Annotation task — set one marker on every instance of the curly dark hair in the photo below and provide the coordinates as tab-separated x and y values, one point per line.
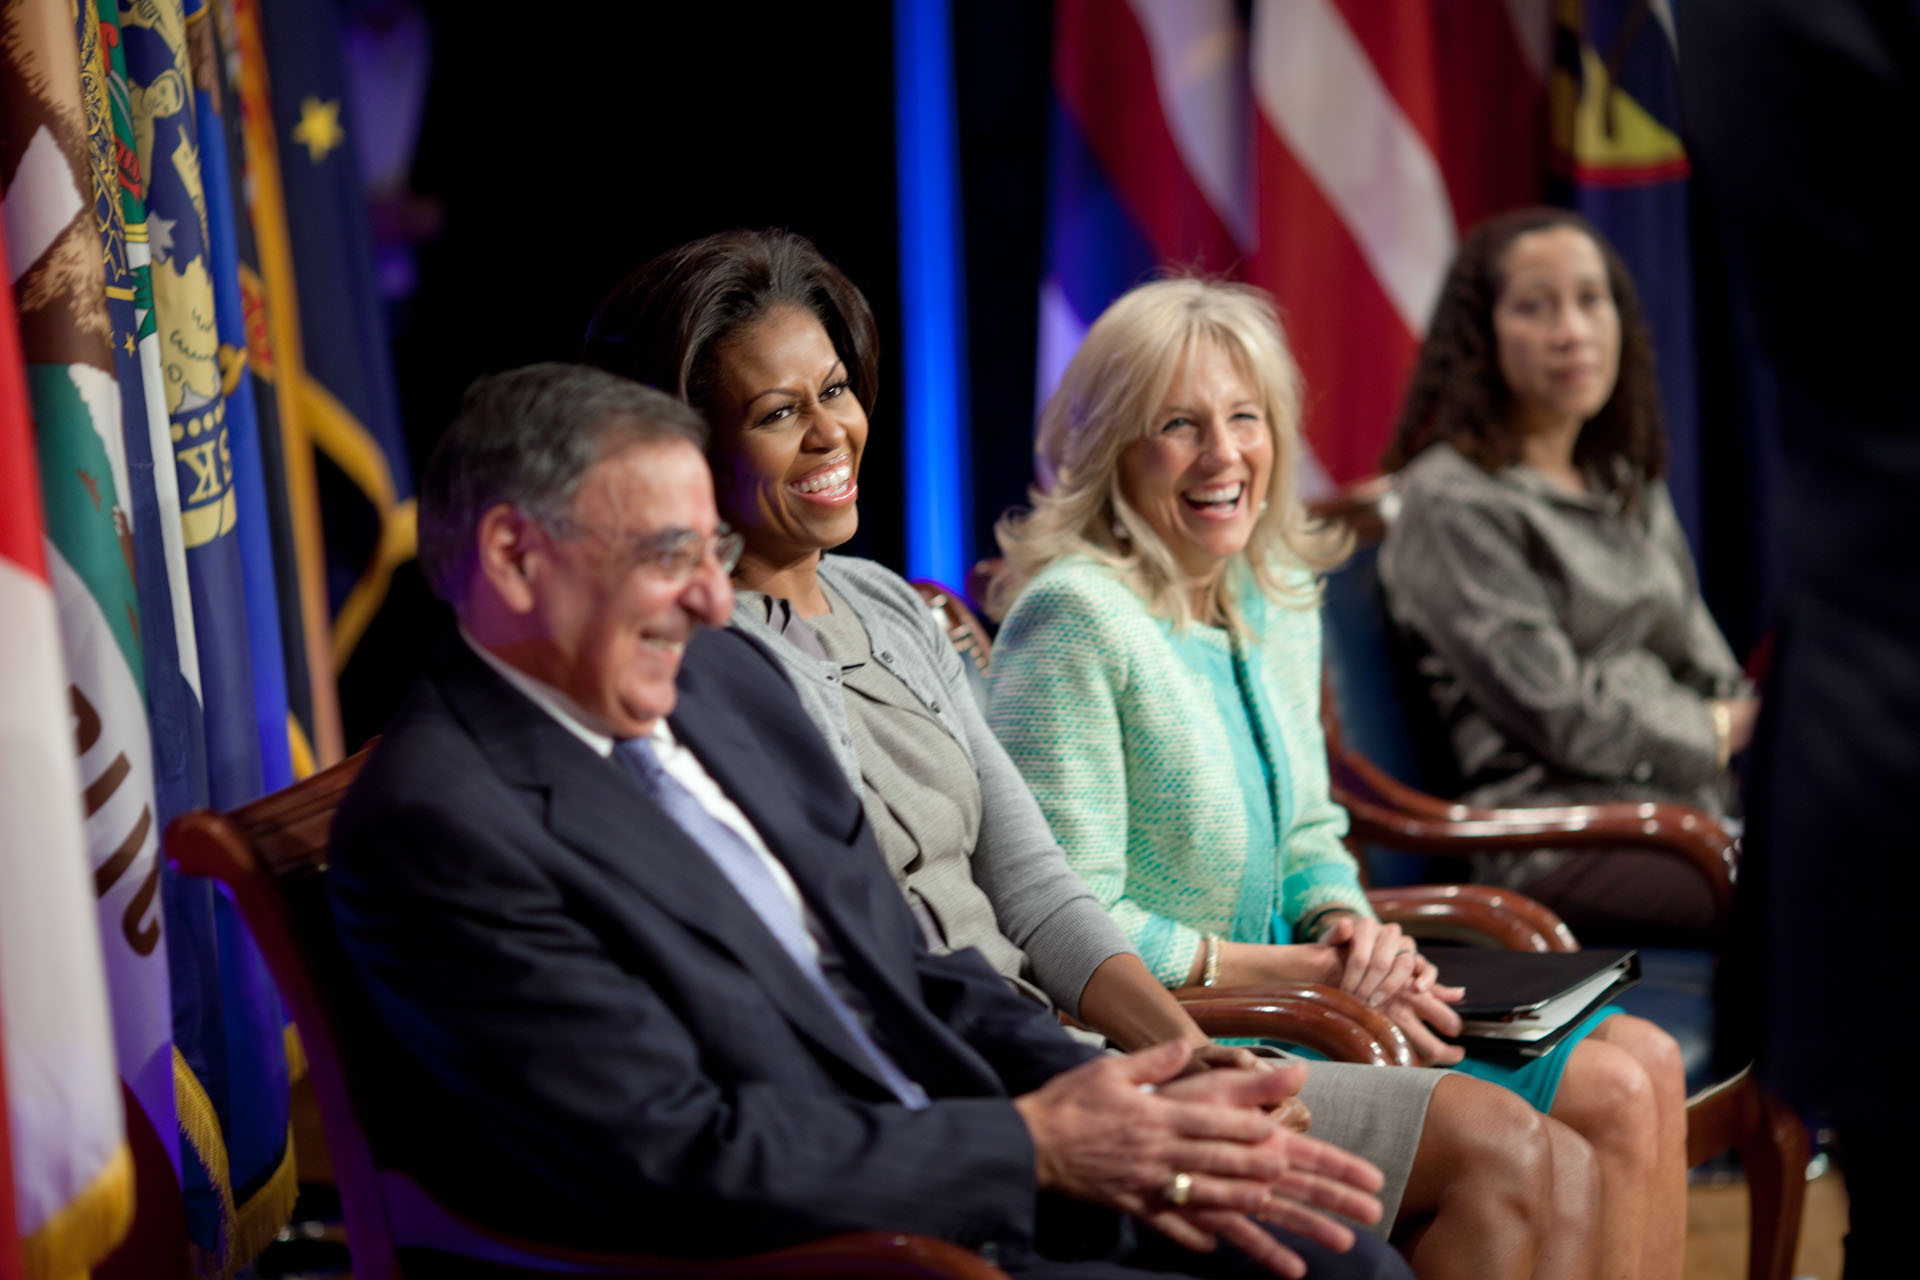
665	324
1457	393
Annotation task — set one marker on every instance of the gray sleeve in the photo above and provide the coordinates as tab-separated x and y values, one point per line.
1457	573
1042	906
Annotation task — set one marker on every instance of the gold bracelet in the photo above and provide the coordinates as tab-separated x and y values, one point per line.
1210	969
1722	732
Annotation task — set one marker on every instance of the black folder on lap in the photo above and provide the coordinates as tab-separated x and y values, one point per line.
1525	1002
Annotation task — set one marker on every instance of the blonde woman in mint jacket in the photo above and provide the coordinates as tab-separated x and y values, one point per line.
1157	682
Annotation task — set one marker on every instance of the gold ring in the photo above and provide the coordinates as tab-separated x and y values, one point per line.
1179	1190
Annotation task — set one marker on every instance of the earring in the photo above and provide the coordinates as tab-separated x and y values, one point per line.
1120	533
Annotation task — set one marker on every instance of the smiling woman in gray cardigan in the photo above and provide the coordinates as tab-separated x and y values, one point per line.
889	693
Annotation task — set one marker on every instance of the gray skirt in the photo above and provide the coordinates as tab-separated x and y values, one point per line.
1375	1112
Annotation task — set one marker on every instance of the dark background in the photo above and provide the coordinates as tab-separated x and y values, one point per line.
562	163
559	158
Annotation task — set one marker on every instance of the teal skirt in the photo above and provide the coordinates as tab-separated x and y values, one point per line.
1535	1079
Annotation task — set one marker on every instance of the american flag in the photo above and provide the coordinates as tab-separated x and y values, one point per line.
1329	151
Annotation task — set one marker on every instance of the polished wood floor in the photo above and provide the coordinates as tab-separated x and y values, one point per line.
1717	1231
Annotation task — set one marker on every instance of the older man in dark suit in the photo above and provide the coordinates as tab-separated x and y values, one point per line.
643	977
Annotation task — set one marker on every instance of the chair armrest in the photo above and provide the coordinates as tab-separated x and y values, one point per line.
1476	914
1675	826
1324	1019
1460	830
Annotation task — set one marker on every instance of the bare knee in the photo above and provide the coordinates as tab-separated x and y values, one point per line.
1495	1146
1607	1096
1657	1053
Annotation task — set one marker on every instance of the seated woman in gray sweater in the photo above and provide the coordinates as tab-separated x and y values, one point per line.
1541	579
778	349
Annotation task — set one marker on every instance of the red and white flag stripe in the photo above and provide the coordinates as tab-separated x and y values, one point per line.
1334	150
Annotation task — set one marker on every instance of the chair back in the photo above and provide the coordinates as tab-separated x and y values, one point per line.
1380	752
1366	692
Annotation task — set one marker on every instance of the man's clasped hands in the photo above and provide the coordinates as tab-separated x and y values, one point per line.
1200	1147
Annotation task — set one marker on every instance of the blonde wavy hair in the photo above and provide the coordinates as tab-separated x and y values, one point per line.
1106	400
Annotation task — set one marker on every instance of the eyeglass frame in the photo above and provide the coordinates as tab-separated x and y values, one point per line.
673	554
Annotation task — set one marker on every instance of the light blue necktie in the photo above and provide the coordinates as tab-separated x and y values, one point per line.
754	881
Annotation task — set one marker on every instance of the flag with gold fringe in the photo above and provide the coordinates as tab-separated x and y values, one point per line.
136	960
232	1096
69	659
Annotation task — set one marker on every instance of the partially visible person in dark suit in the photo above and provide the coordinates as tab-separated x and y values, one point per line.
640	976
1801	119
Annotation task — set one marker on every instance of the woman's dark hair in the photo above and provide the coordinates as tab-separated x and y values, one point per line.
665	324
1458	394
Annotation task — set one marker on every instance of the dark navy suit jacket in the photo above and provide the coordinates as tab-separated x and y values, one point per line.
586	1036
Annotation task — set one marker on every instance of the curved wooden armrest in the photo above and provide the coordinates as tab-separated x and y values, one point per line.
1473	913
1669	828
1676	826
1324	1019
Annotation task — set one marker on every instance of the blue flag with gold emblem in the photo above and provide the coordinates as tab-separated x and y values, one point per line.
239	1180
136	952
155	37
265	646
1619	161
347	398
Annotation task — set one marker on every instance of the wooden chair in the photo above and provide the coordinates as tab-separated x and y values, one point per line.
271	855
1377	760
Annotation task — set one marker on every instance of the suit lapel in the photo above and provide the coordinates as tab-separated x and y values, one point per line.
596	808
824	867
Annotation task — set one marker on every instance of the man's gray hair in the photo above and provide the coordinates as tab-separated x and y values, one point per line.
528	437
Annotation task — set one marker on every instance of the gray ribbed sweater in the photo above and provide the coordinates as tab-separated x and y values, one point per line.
1018	884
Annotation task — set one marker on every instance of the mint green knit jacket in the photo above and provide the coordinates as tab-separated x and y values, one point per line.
1123	743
